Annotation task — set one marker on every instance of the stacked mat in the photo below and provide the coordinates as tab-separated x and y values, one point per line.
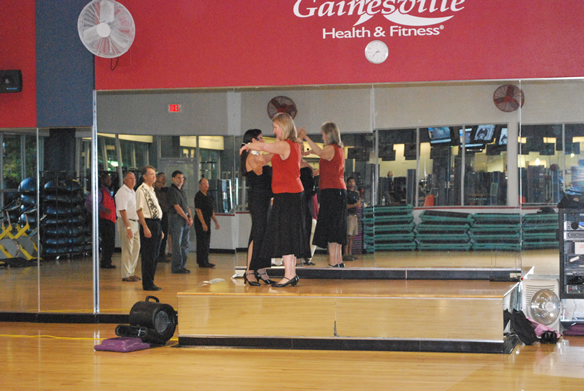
540	231
389	228
496	231
444	231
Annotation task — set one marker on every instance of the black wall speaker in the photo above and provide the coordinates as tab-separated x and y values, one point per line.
10	81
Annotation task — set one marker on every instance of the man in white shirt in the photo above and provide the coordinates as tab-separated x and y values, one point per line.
149	216
128	227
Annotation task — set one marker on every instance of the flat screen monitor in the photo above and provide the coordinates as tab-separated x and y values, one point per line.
439	151
410	151
468	141
483	134
494	149
359	154
502	138
573	148
387	153
441	135
534	144
549	149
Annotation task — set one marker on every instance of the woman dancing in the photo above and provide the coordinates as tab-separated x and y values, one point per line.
331	230
255	167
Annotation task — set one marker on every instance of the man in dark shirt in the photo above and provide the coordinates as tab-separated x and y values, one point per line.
160	189
180	221
353	203
205	212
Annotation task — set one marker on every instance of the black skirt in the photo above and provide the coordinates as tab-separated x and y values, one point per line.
331	226
286	231
259	206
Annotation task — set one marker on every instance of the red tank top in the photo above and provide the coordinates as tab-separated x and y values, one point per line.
286	173
332	174
108	202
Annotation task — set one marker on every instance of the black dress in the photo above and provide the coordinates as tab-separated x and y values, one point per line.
260	195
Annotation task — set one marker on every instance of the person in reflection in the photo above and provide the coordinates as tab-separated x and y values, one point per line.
285	235
254	166
107	222
128	227
205	210
307	179
161	190
353	203
180	222
149	216
331	230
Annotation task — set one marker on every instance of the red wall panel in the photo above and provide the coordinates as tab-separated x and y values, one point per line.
18	51
210	43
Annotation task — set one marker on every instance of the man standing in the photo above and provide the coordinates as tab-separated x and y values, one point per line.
149	215
180	221
161	190
107	222
204	209
128	227
353	203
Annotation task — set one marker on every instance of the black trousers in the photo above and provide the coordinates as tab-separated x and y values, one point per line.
107	235
149	249
203	243
164	223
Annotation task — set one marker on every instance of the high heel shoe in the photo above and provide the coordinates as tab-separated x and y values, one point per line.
292	282
266	281
251	283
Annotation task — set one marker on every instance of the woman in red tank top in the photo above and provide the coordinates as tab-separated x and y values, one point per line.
331	227
285	234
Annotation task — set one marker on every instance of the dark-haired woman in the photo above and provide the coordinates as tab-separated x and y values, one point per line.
255	168
285	236
331	230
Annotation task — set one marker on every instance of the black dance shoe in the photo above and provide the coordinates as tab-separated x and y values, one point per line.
291	282
341	265
251	283
266	280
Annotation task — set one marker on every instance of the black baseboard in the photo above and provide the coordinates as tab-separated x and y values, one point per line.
353	273
505	346
47	317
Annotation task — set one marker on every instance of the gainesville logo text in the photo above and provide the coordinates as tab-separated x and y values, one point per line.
413	13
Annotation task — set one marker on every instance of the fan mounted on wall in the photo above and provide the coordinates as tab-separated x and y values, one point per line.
106	28
508	98
281	104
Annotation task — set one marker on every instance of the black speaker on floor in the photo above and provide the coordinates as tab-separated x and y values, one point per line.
10	81
151	321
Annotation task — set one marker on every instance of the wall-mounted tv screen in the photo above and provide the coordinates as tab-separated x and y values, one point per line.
573	148
483	134
410	151
387	153
441	135
468	141
548	149
494	149
502	137
534	144
522	149
359	154
440	151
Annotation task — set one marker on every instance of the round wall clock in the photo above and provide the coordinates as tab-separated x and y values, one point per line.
376	52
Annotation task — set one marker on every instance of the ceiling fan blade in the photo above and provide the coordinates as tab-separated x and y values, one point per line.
106	11
90	35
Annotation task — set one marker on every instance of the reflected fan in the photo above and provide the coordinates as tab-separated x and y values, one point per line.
541	302
106	28
508	98
281	104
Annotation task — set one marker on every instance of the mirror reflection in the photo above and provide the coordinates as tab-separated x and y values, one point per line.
438	187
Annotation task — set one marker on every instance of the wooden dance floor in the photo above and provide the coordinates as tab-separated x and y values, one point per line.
353	314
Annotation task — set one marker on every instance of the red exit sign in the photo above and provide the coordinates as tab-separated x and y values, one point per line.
174	108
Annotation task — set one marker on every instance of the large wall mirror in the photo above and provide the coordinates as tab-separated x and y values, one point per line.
470	180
